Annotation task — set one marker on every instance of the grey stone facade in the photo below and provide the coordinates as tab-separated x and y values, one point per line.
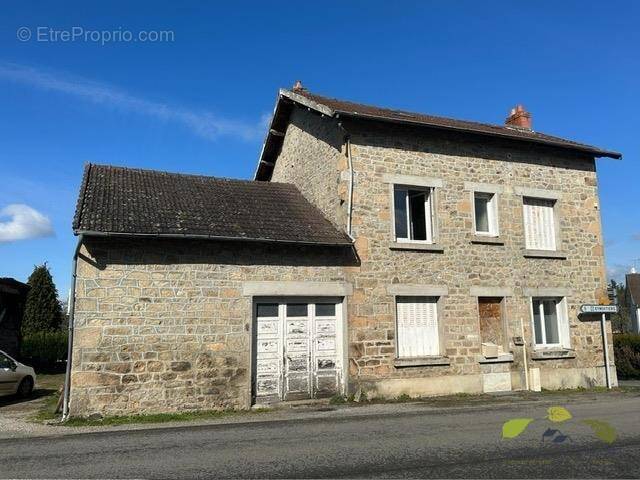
166	325
456	162
163	325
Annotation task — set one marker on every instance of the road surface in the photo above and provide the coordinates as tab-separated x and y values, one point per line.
407	443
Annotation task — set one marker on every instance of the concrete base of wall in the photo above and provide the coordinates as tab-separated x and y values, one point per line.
560	378
423	387
550	379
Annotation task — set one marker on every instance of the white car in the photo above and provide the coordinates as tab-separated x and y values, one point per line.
15	378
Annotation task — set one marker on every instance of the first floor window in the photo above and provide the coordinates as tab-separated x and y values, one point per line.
550	322
486	218
413	214
417	327
539	223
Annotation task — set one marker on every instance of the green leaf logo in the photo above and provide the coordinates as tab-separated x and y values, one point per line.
603	430
558	414
515	427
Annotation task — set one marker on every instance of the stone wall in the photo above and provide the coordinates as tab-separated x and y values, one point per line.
311	159
380	149
162	325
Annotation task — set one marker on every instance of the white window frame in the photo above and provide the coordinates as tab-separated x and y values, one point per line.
438	313
554	223
492	214
561	318
428	211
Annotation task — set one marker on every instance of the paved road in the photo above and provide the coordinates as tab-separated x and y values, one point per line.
408	444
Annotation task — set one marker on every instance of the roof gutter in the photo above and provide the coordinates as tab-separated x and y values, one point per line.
185	236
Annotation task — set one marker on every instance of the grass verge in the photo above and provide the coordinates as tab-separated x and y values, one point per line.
158	417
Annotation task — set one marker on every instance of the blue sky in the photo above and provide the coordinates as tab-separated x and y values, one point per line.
198	104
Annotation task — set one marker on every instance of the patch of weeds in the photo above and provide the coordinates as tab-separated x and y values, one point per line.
403	398
338	399
47	409
158	417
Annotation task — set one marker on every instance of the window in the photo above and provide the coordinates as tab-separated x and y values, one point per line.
539	224
297	309
550	322
417	327
486	213
5	362
413	214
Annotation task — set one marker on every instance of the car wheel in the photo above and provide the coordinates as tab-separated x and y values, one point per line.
26	387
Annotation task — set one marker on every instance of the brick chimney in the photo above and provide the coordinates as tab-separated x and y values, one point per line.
519	117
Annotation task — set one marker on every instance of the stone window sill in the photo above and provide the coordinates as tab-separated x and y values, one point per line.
560	255
552	354
504	358
486	239
421	362
423	247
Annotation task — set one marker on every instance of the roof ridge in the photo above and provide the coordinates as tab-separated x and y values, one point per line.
317	96
180	174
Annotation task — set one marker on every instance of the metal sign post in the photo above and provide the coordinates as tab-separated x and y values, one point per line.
606	349
602	309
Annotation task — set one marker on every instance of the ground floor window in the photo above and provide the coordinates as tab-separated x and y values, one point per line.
417	327
550	322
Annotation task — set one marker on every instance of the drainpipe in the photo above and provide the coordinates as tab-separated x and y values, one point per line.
347	140
72	305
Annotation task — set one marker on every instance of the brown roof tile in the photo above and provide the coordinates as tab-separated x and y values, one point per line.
335	107
633	287
129	201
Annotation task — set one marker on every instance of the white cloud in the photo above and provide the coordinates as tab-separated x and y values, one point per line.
23	223
617	272
202	123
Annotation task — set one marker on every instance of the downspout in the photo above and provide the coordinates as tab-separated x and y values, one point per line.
72	305
347	140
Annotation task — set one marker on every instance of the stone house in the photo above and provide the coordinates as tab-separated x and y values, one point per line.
376	250
632	299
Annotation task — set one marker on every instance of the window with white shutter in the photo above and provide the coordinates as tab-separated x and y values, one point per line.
417	329
539	223
550	322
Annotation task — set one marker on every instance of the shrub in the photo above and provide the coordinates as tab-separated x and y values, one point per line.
626	348
45	351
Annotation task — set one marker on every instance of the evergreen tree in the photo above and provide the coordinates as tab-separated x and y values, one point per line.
621	321
42	310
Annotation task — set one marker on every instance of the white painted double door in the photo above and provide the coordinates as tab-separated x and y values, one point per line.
298	348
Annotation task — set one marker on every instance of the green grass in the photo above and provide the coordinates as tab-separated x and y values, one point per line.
158	417
48	387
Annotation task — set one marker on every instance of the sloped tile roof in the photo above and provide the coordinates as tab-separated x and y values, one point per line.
358	109
633	287
334	108
127	201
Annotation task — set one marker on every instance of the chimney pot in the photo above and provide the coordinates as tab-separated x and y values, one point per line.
519	117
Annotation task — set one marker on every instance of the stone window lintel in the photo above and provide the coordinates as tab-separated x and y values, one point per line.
421	362
422	247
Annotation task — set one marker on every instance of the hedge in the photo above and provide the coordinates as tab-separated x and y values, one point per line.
626	348
45	351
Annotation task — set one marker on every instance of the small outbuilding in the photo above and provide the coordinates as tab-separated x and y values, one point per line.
13	295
